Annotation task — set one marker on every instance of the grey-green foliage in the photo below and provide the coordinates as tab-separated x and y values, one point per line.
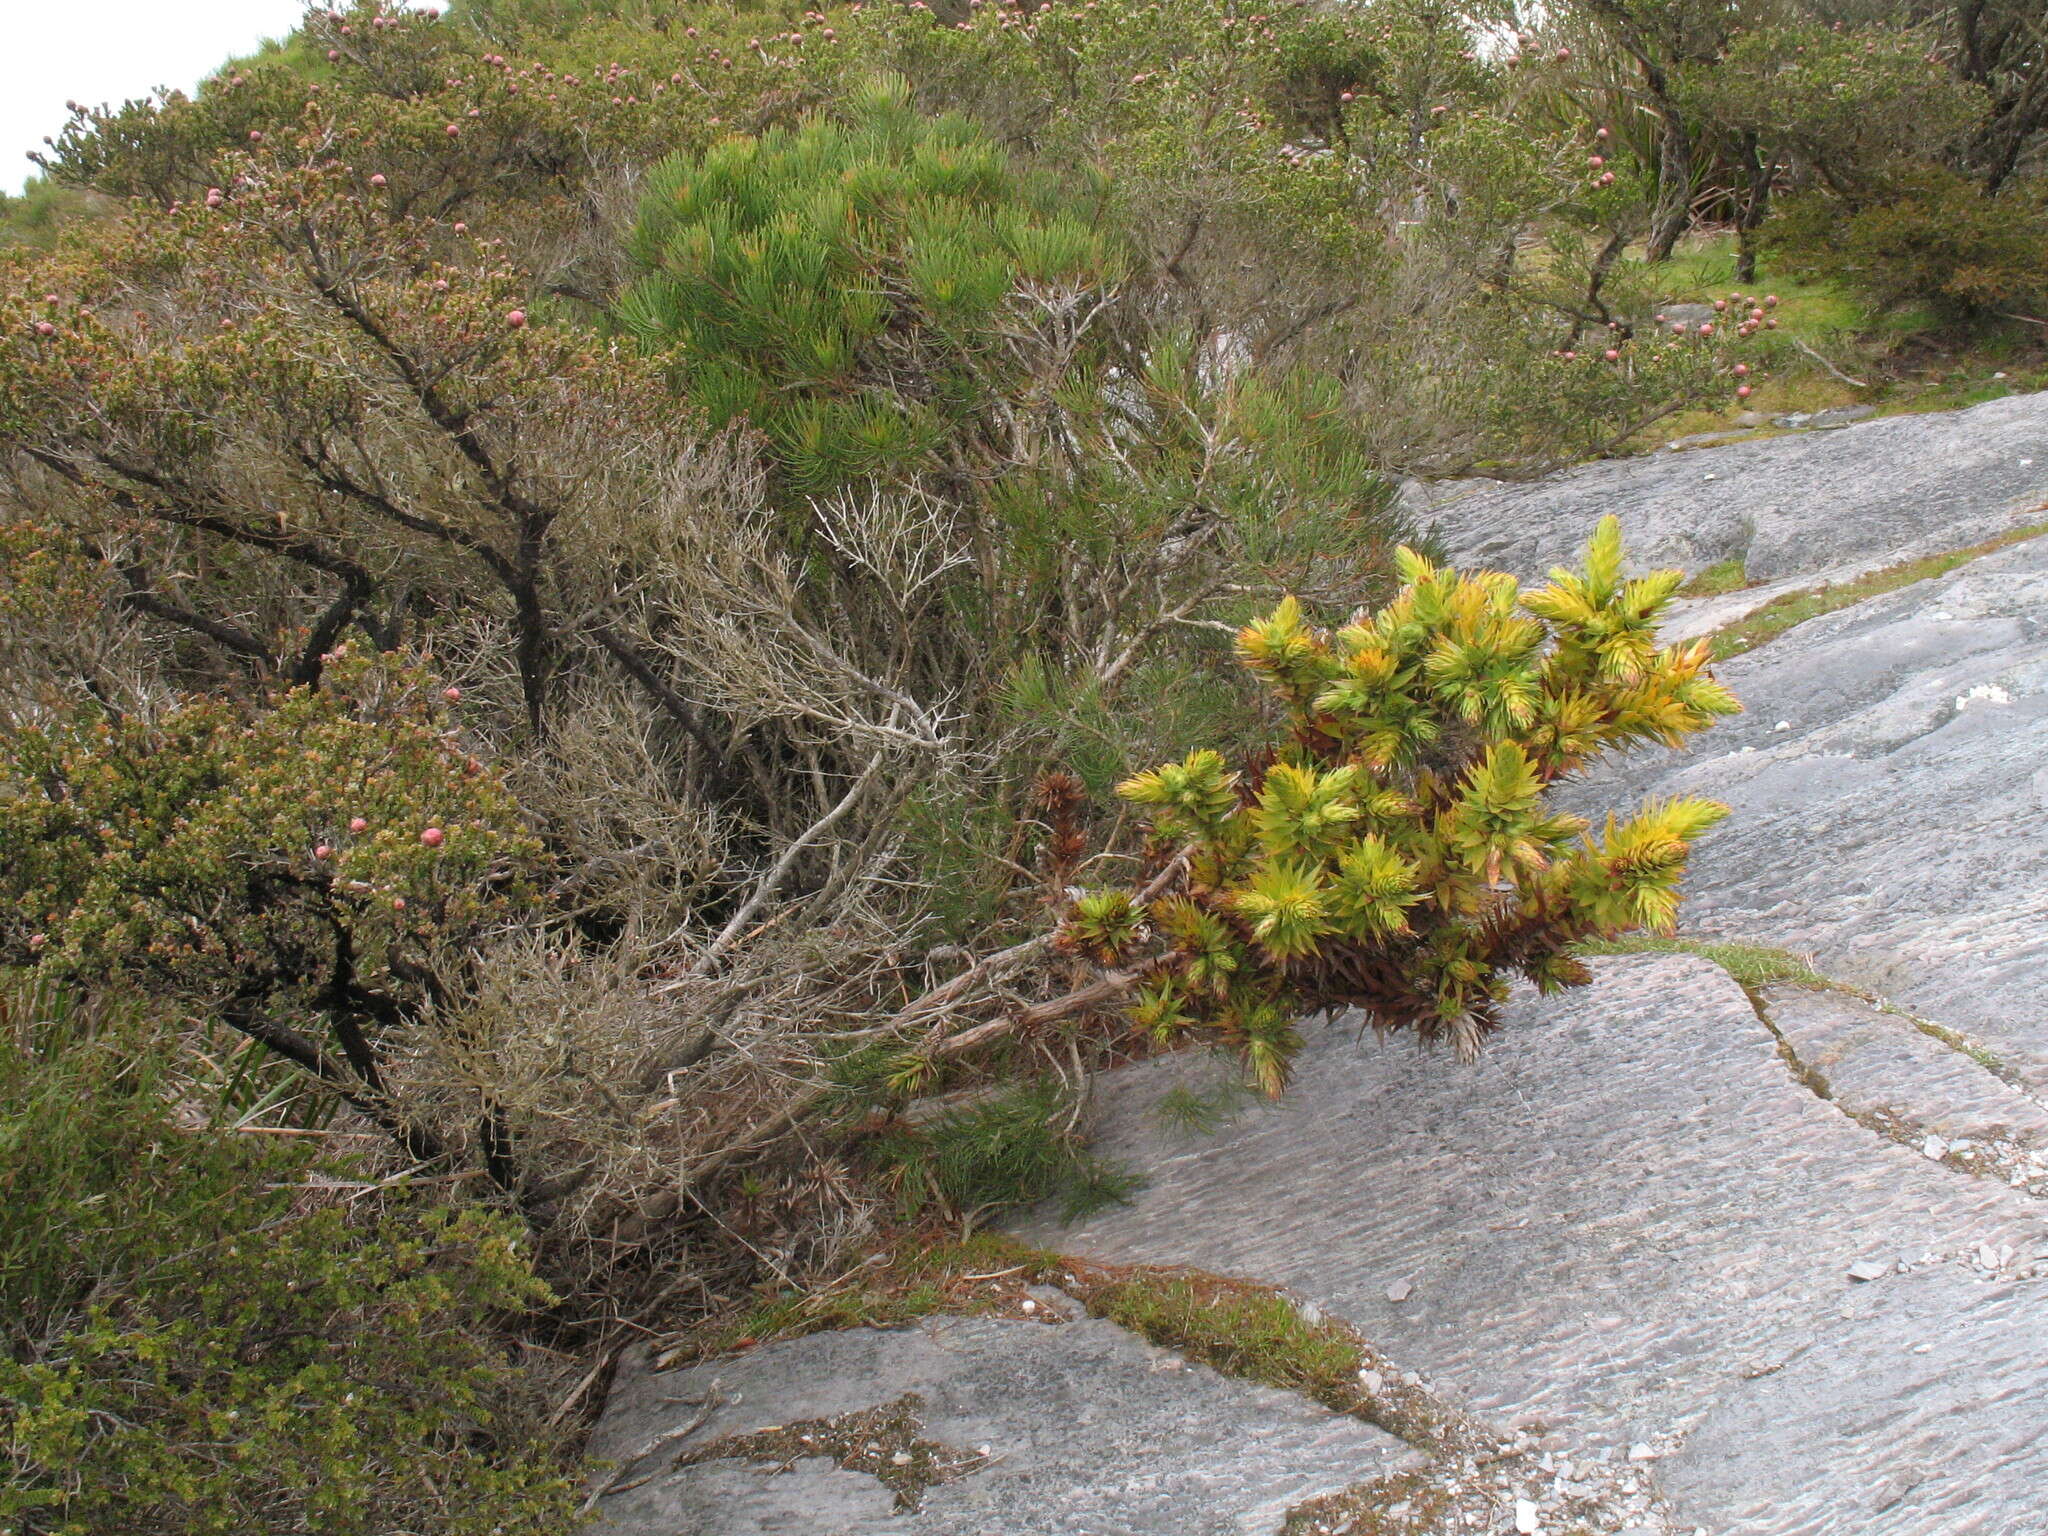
194	1343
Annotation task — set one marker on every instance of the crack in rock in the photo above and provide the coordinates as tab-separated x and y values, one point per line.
883	1441
1887	1049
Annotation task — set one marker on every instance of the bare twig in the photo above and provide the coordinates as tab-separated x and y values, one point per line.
771	882
1831	368
590	1380
616	1484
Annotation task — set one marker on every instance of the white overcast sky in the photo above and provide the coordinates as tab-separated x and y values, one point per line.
53	51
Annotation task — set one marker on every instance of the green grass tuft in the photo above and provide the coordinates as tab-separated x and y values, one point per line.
1724	576
1199	1112
1014	1150
1749	965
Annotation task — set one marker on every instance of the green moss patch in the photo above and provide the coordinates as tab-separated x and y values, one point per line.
1795	608
913	1274
1723	576
1750	965
1258	1334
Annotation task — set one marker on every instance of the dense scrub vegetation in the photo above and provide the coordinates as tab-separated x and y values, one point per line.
578	579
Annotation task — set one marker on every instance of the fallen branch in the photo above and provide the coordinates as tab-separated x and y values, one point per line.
940	999
1831	368
1109	987
771	882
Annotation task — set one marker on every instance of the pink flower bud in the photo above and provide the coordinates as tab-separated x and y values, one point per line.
452	695
357	824
516	319
433	837
377	180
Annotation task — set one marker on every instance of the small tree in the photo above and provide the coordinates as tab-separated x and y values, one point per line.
1394	850
312	873
875	297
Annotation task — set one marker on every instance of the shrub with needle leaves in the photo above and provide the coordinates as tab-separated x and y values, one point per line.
1394	851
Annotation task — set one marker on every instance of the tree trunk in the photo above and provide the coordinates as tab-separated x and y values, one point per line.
1674	187
1596	279
1756	203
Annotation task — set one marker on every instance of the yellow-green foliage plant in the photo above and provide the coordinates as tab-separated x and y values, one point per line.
1394	850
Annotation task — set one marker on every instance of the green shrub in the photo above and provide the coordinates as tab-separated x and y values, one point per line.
844	287
309	872
1932	238
1011	1150
190	1342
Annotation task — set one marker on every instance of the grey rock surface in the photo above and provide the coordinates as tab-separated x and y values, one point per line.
1815	506
1089	1432
1631	1219
1691	316
1890	788
1820	421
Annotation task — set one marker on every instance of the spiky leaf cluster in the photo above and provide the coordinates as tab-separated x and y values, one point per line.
1395	850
